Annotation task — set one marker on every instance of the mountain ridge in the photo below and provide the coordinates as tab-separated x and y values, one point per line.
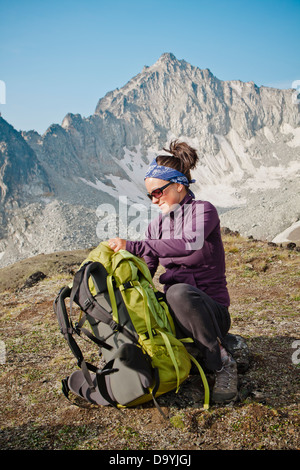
247	137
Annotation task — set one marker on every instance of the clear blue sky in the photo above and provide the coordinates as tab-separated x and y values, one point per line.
62	56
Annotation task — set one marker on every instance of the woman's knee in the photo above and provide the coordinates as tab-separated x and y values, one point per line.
177	293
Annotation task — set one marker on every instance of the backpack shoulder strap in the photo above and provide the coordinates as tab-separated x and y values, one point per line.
82	295
68	331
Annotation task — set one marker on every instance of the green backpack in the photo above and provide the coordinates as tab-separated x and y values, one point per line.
131	323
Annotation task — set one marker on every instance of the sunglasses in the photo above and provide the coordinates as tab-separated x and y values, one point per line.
157	193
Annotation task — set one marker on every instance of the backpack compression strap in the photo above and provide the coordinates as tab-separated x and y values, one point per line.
82	295
202	374
68	330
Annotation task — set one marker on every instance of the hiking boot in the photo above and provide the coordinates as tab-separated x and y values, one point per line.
225	387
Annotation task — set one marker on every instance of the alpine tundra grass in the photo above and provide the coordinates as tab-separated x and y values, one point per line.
264	287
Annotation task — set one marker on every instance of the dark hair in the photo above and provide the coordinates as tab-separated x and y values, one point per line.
184	158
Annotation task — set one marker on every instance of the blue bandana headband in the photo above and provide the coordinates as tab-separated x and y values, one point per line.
166	173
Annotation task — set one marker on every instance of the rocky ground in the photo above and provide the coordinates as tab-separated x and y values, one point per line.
265	293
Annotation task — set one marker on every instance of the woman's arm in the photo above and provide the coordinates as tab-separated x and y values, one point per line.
194	225
152	249
151	259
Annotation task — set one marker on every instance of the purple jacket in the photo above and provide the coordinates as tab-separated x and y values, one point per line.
188	244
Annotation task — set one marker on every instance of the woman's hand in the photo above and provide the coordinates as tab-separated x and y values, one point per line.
117	244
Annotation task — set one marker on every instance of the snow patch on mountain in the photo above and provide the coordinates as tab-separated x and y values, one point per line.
291	234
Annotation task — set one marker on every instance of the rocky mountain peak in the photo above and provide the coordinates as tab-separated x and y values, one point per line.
21	175
168	61
247	137
72	121
167	57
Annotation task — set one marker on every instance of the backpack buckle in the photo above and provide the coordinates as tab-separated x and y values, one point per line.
146	335
87	303
77	328
127	285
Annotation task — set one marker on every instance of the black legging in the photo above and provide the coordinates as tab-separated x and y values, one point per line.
198	316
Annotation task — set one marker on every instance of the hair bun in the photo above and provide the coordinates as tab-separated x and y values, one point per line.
186	157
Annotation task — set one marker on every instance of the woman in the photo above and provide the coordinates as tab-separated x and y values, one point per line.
186	240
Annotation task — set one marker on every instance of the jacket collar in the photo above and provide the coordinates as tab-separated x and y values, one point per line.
187	199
